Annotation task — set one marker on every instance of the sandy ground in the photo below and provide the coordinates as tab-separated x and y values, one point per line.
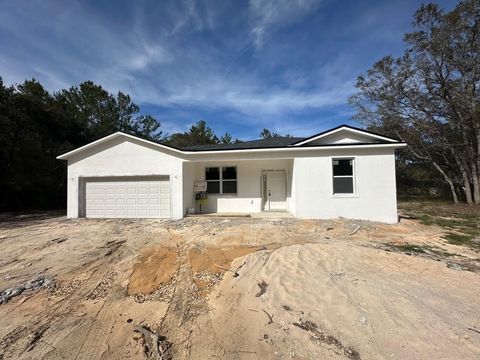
236	288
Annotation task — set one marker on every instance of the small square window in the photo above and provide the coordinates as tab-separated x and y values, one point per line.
229	173
343	167
213	187
229	187
343	185
212	173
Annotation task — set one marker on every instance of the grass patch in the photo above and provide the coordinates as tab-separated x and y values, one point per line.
409	248
458	239
420	249
462	222
449	223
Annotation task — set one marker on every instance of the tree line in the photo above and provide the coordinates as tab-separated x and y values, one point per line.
429	97
36	126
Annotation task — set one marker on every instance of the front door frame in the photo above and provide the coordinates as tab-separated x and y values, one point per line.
264	189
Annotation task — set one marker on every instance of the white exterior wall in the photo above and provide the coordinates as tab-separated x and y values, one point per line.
122	157
249	192
188	180
375	196
309	178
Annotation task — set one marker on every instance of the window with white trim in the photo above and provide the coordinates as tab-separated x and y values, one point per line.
343	176
221	180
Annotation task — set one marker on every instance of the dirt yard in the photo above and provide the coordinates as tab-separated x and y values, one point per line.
240	288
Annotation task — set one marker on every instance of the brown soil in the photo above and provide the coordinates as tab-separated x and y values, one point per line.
397	291
208	264
154	267
216	260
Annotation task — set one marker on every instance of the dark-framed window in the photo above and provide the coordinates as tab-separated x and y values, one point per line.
343	176
221	180
212	176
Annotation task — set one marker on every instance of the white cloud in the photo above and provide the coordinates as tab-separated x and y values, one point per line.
145	56
163	67
268	16
169	127
244	94
189	17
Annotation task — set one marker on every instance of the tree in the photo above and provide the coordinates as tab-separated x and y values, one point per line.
429	97
147	127
178	140
36	126
199	134
267	134
29	136
226	139
98	113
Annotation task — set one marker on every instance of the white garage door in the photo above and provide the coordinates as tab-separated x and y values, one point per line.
132	198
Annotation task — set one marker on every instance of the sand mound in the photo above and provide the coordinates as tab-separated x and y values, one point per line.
209	263
336	300
213	259
154	267
157	265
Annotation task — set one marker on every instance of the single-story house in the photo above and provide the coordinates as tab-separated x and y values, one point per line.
343	172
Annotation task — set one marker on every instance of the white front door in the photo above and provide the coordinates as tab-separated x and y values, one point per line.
275	190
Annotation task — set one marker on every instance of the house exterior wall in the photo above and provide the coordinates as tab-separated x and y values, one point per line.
121	157
309	178
188	180
374	177
249	192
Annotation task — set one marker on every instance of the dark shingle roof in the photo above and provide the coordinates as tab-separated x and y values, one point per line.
253	144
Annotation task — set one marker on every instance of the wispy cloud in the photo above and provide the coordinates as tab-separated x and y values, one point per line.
189	17
244	93
284	64
147	55
268	16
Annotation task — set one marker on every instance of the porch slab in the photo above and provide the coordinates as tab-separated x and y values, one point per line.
260	215
273	215
216	215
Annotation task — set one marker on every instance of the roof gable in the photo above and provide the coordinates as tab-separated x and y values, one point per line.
114	136
345	134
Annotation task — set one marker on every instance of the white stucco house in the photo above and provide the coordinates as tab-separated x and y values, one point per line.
343	172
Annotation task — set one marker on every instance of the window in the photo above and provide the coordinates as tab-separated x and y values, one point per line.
229	180
221	180
343	176
212	175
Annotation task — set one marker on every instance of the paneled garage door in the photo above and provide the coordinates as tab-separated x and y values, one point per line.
127	198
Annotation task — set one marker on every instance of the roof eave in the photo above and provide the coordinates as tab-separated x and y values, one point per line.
308	148
73	152
79	150
68	154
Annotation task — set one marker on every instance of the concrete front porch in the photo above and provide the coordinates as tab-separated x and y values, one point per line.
257	215
252	196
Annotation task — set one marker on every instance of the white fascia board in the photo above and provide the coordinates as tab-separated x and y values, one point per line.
365	133
112	136
205	152
309	148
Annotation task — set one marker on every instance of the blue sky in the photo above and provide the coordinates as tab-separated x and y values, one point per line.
288	65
